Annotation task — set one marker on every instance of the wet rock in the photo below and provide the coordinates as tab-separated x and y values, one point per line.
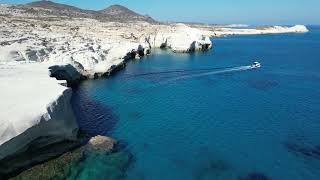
66	72
120	146
72	162
55	169
101	144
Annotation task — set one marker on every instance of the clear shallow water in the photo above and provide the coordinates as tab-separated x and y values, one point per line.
183	117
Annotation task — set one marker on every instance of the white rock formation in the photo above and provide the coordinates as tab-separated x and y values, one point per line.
179	38
259	30
299	29
34	105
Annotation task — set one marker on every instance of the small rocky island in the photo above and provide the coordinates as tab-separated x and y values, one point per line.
47	48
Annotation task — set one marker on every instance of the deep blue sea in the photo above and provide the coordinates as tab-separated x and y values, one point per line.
191	117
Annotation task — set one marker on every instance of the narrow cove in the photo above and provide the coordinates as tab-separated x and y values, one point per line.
228	125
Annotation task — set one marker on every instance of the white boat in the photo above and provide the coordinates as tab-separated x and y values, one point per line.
256	65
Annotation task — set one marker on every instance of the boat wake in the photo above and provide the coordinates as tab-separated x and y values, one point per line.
222	71
182	74
176	71
242	68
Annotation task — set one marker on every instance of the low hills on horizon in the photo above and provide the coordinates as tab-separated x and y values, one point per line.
117	13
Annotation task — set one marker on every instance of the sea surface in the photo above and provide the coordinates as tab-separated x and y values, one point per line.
207	115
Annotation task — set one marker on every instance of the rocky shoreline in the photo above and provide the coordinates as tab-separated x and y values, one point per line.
42	58
34	65
70	164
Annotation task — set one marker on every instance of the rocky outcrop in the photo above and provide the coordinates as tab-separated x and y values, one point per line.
67	72
299	29
83	160
216	31
30	134
101	144
179	38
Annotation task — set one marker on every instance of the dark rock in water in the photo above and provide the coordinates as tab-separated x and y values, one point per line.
101	144
85	159
54	169
214	169
120	146
36	152
98	166
302	149
114	69
254	176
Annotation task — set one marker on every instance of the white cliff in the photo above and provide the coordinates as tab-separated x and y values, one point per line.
35	105
179	38
32	104
226	31
32	49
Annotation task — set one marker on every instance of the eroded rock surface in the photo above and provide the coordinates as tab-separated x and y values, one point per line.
93	160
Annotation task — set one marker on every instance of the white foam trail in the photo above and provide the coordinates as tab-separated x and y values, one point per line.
241	68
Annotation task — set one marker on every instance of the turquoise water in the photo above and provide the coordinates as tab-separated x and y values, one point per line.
187	116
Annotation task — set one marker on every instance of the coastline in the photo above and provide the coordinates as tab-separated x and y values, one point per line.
87	61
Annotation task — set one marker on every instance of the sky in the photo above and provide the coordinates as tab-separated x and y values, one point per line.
252	12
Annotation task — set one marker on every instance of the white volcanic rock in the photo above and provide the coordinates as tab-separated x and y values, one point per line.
258	30
71	48
179	38
32	104
299	29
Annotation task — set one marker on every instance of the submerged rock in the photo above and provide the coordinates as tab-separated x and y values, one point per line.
73	163
101	166
101	144
55	169
254	176
303	149
217	169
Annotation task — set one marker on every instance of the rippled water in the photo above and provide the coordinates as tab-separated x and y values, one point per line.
190	117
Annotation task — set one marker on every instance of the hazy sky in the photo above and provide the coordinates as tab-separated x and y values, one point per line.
214	11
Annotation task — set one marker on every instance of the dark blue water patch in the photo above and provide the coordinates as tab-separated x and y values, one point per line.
303	149
209	81
262	83
121	145
255	176
94	118
156	78
213	169
135	90
312	77
135	115
160	76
